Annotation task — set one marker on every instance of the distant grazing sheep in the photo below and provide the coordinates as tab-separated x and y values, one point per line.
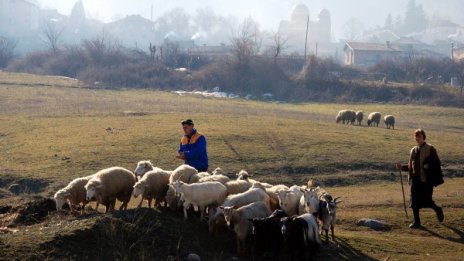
359	117
182	173
153	185
389	121
110	184
346	117
73	194
374	119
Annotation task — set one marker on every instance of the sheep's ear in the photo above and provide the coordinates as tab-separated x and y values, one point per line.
221	207
233	206
99	186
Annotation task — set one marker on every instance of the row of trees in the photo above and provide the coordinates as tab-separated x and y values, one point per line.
102	60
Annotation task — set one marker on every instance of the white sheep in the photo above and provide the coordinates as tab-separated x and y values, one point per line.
110	184
244	175
374	119
218	171
171	198
239	220
346	117
200	194
273	198
237	186
359	117
143	167
153	185
73	194
289	200
217	177
389	121
182	173
197	177
216	216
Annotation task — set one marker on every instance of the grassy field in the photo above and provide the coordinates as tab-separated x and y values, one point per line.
53	129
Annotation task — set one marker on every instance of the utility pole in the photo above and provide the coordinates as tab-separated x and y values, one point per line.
316	48
151	12
306	38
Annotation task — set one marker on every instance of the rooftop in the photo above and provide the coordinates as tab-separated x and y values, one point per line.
360	46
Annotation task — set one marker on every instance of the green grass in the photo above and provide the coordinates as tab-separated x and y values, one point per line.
40	122
52	129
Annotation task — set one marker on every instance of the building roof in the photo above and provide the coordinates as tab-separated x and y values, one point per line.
359	46
408	40
443	23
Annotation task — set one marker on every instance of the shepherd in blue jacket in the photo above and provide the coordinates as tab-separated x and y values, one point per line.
192	147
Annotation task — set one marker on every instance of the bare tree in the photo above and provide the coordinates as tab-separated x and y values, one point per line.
353	28
246	42
52	36
152	49
7	47
279	44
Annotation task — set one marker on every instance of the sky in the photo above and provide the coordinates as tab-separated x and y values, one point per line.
268	13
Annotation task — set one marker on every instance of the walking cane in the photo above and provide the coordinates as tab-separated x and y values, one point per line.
400	166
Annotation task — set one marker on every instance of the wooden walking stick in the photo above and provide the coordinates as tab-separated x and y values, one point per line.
400	167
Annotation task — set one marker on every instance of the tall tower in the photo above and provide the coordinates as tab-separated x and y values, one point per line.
324	26
78	13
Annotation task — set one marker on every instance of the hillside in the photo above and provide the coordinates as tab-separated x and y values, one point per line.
54	130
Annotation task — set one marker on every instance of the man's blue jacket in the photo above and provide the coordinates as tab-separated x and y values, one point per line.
194	149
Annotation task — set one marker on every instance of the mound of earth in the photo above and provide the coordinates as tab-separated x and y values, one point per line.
143	234
31	213
18	186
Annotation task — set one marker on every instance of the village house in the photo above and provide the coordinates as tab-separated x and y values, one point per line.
368	54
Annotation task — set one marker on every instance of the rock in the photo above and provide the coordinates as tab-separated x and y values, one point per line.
374	224
193	257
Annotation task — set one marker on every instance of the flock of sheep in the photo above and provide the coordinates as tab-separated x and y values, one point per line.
350	117
273	215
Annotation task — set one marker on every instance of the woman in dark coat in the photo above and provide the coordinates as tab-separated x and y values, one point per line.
424	174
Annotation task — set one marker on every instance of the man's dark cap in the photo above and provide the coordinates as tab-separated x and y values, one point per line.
187	122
